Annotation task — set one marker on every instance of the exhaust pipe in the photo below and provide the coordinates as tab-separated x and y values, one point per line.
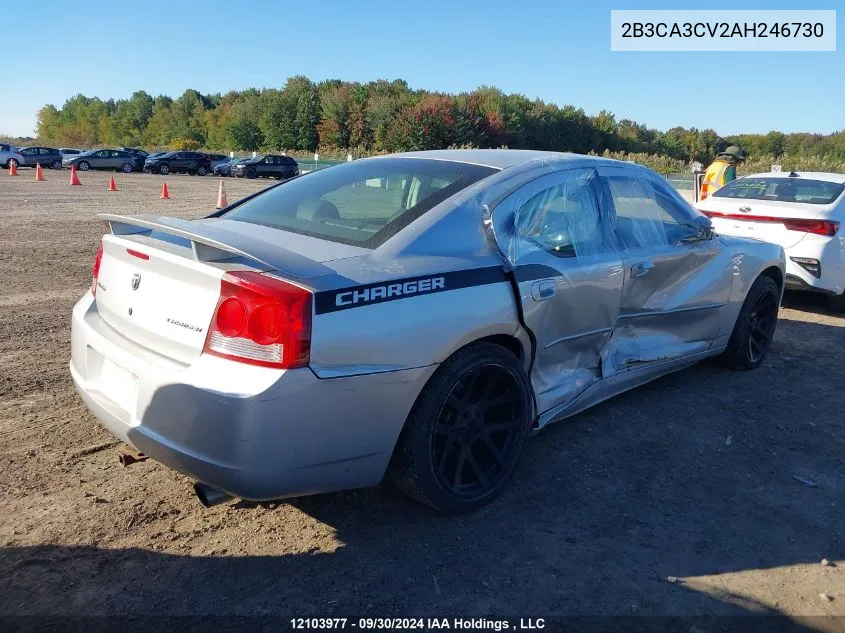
127	457
209	496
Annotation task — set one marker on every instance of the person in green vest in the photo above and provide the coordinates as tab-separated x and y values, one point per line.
722	170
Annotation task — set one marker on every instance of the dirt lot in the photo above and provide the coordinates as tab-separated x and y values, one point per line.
708	492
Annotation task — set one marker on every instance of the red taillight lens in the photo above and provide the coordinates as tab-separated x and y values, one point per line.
817	227
262	321
231	317
95	271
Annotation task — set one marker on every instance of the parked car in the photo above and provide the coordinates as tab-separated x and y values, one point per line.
9	155
217	159
420	314
135	151
104	159
281	167
68	152
802	212
179	162
225	169
46	156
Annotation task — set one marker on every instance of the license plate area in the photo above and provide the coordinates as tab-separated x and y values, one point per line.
119	385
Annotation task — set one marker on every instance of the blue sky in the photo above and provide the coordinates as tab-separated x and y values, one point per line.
558	51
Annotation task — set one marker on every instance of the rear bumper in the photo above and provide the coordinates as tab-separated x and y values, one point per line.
252	432
830	252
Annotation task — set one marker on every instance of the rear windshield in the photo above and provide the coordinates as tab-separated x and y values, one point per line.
800	190
362	203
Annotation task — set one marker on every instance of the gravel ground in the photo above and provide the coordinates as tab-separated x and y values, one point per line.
708	492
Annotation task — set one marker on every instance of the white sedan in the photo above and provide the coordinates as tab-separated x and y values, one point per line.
801	212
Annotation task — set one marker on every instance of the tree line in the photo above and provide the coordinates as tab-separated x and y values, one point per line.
388	116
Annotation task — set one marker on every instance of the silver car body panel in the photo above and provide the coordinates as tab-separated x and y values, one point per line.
385	318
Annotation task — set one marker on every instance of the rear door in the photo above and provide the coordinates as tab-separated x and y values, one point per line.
193	160
99	160
178	162
47	156
267	167
570	278
30	156
116	159
674	289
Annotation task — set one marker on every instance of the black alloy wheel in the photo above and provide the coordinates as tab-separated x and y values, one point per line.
761	328
477	436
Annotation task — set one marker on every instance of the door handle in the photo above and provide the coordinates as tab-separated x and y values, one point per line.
745	209
542	290
641	269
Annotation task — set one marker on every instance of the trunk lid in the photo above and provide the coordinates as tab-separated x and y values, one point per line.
158	298
159	278
761	219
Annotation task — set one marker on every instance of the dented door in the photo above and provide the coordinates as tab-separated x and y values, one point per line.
675	287
570	279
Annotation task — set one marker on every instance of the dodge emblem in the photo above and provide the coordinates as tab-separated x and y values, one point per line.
136	281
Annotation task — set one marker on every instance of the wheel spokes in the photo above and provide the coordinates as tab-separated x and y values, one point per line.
459	469
474	439
491	446
476	469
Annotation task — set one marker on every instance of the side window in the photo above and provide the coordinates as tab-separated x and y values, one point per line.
44	150
563	219
645	216
103	153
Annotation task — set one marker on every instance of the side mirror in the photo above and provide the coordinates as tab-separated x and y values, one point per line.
703	229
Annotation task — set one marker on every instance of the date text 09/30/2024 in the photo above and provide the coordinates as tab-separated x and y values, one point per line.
410	624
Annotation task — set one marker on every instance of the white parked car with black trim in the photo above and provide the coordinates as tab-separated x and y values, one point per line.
802	212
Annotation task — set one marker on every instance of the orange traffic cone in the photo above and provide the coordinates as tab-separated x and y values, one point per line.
74	179
112	184
222	201
165	195
39	173
13	168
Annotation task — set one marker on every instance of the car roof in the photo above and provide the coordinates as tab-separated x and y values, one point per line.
806	175
497	158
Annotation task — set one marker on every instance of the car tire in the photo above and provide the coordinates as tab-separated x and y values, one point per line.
201	170
127	168
449	437
164	169
83	165
250	173
755	326
13	161
57	164
836	303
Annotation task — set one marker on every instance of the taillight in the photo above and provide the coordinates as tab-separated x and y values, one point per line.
95	271
817	227
261	320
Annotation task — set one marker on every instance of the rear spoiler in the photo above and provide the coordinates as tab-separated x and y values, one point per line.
211	242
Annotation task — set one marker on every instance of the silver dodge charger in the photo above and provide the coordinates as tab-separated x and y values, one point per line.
418	314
